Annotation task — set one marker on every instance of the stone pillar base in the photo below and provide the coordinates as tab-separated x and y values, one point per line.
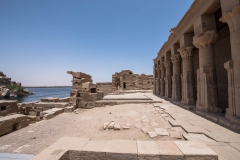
188	101
230	117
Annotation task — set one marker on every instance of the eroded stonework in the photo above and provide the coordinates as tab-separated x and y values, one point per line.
127	80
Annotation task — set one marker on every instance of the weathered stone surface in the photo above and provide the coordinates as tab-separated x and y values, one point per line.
126	80
161	132
69	109
117	126
111	125
13	122
152	134
105	125
8	107
122	150
147	150
169	151
144	130
196	150
94	150
126	128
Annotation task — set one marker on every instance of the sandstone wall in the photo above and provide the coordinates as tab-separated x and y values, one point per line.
105	87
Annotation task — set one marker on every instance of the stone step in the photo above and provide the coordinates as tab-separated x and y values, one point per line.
48	114
70	148
13	122
101	103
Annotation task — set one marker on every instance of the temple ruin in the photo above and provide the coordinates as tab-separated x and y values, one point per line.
199	65
127	80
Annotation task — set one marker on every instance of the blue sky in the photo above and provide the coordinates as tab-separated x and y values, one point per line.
40	40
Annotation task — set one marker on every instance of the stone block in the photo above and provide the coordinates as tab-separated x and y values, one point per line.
147	150
13	122
69	109
122	150
94	150
8	107
169	151
161	132
152	134
196	150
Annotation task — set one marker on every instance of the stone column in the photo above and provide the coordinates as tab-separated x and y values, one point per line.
157	82
168	79
176	79
187	76
162	82
207	99
232	18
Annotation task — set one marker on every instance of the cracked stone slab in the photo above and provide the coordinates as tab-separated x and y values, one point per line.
175	134
196	150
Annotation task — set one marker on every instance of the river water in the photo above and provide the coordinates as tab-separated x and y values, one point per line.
59	92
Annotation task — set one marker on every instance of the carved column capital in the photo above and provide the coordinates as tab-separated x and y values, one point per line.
176	58
162	67
186	52
205	39
167	64
232	19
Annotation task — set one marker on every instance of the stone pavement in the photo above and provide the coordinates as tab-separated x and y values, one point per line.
72	148
223	141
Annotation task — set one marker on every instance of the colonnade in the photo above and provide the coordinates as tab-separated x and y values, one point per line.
179	78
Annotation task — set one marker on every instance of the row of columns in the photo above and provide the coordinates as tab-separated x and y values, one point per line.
177	83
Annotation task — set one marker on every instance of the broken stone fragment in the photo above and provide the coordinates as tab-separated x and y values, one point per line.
161	132
111	125
128	124
117	126
144	130
105	125
152	134
126	127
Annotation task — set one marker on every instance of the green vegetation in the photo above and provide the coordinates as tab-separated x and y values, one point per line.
17	89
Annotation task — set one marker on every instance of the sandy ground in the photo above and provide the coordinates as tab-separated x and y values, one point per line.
88	124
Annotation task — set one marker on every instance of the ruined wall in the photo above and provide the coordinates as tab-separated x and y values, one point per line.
105	87
8	107
81	90
126	80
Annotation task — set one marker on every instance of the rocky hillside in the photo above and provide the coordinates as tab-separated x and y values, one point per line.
10	88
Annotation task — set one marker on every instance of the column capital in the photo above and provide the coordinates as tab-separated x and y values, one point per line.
205	39
186	52
176	58
162	67
232	18
167	64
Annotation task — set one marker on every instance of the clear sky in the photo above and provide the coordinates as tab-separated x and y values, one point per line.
40	40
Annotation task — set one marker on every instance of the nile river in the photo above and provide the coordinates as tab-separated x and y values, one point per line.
59	92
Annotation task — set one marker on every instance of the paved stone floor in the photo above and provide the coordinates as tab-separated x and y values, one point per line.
165	120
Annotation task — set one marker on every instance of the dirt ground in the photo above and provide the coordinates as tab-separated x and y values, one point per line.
89	124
